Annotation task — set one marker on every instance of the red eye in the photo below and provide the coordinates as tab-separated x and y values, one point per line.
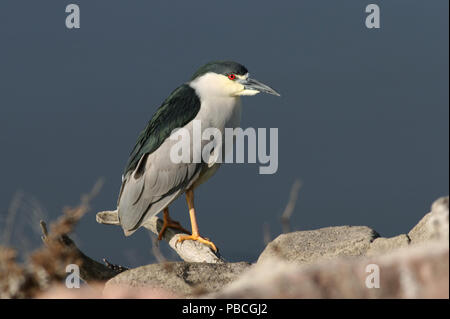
232	76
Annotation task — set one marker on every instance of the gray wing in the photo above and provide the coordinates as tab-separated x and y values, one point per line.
152	186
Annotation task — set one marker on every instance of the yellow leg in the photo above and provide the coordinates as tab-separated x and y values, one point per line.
195	234
169	223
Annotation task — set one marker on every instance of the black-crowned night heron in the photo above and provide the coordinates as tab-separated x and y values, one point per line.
151	180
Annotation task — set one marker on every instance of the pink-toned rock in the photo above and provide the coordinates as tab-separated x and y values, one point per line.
96	292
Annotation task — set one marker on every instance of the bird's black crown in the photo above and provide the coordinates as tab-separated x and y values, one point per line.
221	67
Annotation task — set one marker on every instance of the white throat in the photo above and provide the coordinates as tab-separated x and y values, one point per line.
218	108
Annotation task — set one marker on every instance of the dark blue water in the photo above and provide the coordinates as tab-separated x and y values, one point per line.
363	117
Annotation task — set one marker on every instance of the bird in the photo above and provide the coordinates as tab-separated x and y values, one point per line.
151	181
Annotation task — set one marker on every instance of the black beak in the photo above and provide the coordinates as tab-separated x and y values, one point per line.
252	84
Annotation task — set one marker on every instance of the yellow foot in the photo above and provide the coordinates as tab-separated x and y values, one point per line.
199	239
169	223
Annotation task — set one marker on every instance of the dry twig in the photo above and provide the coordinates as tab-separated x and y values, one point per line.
287	214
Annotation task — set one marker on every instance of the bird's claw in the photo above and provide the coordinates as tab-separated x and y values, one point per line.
169	223
202	240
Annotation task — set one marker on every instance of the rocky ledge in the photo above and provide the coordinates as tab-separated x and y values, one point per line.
331	262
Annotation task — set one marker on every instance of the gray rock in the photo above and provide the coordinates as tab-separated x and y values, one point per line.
421	232
181	278
434	225
314	245
439	221
383	245
419	271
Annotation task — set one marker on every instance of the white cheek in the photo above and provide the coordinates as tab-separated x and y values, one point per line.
234	88
212	84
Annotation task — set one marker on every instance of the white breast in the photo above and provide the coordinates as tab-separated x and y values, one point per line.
218	110
220	113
